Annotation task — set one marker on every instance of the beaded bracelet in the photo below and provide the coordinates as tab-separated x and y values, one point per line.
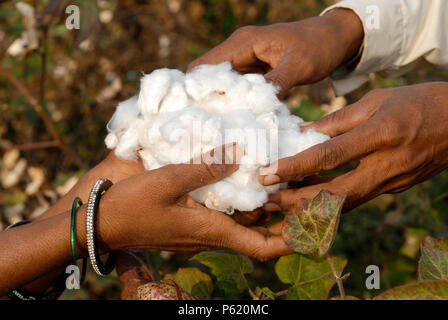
92	207
76	201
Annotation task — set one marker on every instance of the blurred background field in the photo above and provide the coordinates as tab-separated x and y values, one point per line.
79	77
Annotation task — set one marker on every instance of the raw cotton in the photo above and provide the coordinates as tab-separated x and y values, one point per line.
178	116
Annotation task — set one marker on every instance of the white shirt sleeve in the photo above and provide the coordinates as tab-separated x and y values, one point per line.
398	33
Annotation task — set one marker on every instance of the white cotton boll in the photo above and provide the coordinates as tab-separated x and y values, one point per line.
149	162
127	148
111	141
176	98
205	81
129	141
178	117
262	97
269	119
291	122
310	138
124	115
211	135
154	87
222	194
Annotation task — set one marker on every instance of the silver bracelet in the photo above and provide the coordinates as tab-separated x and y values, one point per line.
92	207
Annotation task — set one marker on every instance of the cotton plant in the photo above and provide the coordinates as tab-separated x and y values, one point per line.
177	117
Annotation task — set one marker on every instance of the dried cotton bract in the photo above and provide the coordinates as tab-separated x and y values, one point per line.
179	116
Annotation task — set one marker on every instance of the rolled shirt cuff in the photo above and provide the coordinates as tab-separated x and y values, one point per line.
384	35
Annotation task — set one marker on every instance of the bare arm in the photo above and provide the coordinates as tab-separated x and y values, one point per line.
157	220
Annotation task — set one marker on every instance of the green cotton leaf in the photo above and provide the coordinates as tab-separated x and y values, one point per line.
425	290
162	290
228	268
309	277
313	230
193	281
433	263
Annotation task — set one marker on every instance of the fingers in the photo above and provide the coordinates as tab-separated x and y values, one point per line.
325	156
209	168
257	217
253	242
282	76
306	182
343	120
310	180
215	229
237	49
351	116
247	218
264	218
276	228
361	184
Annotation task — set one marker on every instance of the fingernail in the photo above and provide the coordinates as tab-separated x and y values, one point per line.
305	124
270	206
271	179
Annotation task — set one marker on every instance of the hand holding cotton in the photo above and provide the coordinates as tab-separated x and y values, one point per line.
179	116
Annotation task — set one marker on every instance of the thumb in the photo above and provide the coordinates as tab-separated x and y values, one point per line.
343	120
206	169
283	76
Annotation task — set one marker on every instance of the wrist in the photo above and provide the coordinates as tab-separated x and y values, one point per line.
107	227
347	28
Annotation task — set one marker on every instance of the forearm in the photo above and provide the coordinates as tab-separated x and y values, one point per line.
32	251
45	280
111	168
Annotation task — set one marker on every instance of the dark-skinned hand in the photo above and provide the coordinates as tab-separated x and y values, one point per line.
399	136
293	53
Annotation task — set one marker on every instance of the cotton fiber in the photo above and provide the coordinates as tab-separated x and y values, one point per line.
177	117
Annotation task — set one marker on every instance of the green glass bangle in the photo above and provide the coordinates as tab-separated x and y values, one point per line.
76	201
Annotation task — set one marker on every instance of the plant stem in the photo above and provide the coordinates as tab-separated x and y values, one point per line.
337	277
73	157
281	293
43	74
252	294
441	197
35	145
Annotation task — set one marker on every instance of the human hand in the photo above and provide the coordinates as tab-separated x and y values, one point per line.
117	169
153	210
399	135
292	53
